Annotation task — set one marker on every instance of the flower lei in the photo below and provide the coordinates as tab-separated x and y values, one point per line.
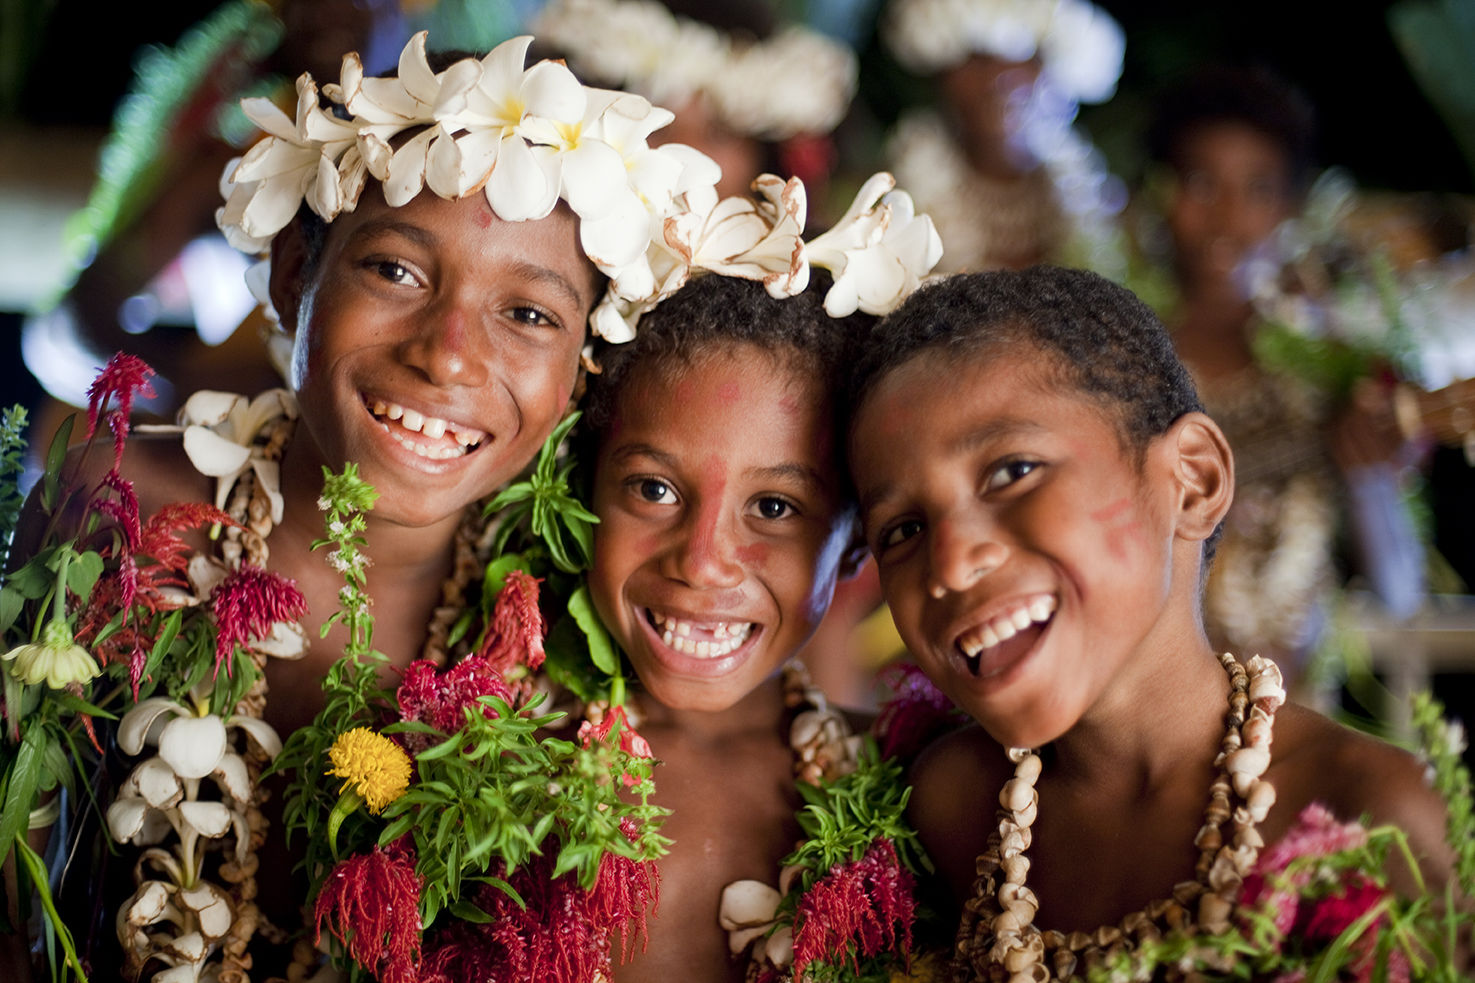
844	907
468	837
797	81
121	618
649	216
1079	45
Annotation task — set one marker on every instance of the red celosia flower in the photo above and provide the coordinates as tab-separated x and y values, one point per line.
122	379
563	935
916	715
630	740
515	636
859	908
371	904
123	509
442	699
169	553
246	604
623	892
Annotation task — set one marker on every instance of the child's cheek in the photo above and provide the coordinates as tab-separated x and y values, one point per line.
754	554
1120	530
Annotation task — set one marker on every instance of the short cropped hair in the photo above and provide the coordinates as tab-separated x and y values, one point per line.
708	319
1254	97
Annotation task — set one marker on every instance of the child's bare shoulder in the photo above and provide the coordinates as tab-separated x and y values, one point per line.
955	795
162	472
1354	775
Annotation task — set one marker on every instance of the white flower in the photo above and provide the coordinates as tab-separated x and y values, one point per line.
56	660
1080	47
220	432
878	252
755	240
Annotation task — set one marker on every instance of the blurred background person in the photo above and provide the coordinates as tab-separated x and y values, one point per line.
1009	178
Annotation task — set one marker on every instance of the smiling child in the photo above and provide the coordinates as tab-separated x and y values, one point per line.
436	274
725	520
1041	491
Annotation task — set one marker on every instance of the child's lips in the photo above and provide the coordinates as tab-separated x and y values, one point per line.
996	641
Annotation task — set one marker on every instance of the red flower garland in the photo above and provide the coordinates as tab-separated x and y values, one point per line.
859	908
371	903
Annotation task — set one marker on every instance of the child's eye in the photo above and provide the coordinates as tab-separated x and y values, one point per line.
1007	473
392	271
897	533
532	316
654	490
771	507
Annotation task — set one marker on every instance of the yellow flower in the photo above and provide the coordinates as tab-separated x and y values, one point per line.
376	767
56	659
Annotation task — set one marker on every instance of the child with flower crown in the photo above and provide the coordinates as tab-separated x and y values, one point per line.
441	242
725	521
1042	524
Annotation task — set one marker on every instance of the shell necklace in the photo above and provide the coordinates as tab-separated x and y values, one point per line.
997	938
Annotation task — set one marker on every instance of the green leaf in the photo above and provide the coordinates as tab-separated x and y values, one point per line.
497	571
11	604
601	648
468	912
55	455
21	784
82	574
348	803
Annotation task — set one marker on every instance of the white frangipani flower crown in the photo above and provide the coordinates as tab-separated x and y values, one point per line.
798	81
1079	45
649	217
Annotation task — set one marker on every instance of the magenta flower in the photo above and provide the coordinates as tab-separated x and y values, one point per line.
515	637
246	604
124	378
442	699
371	904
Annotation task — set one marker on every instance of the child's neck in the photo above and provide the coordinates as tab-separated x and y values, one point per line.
760	710
1149	728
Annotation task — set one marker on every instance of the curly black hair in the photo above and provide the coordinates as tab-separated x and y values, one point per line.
1099	339
1253	96
711	316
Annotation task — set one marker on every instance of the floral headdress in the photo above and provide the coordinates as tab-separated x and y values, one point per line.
797	81
1079	45
648	216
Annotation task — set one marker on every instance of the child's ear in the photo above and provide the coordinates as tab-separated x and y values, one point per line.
288	274
1204	468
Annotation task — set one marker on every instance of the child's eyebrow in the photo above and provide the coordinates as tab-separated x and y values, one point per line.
1009	426
792	471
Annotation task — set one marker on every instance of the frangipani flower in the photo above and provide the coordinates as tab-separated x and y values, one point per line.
755	240
191	741
878	252
219	433
56	660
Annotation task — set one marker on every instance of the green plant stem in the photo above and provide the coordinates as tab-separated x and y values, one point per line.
37	871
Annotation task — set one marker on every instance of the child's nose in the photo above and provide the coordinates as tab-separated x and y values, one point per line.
707	556
446	346
962	552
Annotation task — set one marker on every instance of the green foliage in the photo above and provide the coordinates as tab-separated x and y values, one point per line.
546	506
841	818
1443	744
12	463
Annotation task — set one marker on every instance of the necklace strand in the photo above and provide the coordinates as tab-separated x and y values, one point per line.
997	937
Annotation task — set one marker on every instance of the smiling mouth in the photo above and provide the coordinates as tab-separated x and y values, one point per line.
702	639
995	645
426	436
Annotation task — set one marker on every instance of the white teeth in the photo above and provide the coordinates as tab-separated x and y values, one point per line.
434	428
1006	626
725	636
413	419
433	452
395	411
464	438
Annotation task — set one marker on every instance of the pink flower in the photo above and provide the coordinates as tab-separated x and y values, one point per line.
516	633
123	378
246	604
371	904
123	509
918	713
1315	834
630	740
442	699
859	908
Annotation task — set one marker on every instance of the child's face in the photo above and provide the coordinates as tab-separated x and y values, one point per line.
438	345
1233	188
721	529
1023	554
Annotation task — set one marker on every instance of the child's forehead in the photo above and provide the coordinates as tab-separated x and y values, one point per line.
740	368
